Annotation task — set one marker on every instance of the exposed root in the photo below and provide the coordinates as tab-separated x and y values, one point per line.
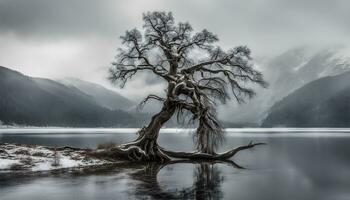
205	156
139	150
144	150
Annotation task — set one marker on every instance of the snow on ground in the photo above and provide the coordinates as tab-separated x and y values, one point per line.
39	158
5	163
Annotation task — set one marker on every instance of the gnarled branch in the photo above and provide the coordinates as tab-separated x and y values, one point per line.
151	96
199	155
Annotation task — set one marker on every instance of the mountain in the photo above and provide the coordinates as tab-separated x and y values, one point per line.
103	96
42	102
322	103
299	66
286	73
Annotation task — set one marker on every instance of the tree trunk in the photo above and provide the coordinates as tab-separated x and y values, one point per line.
145	147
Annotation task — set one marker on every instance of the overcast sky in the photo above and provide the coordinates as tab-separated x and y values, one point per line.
78	38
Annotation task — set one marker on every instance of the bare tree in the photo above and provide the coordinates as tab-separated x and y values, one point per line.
198	73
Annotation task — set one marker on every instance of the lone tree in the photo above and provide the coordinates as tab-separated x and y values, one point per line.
198	73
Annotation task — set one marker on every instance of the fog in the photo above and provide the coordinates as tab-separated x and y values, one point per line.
79	38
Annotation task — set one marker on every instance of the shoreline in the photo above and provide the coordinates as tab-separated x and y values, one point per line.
35	158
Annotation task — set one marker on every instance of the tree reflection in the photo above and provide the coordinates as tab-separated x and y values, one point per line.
207	181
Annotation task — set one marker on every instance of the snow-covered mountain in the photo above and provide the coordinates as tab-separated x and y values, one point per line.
301	65
324	102
286	73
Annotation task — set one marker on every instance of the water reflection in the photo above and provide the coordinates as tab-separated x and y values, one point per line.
207	183
207	180
307	166
125	181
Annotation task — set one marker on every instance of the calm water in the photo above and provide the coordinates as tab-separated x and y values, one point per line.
296	164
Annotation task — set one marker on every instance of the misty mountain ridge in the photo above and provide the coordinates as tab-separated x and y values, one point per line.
44	102
288	72
285	73
324	102
301	65
103	96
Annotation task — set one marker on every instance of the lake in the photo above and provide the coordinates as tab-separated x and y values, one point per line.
296	164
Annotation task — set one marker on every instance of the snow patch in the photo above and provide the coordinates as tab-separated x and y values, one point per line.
301	65
7	163
39	158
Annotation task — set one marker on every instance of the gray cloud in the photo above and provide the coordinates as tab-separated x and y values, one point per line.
59	18
253	21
